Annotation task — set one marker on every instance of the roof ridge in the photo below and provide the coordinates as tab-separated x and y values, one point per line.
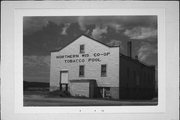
79	37
136	60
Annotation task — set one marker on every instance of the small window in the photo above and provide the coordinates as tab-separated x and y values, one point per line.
103	71
82	49
81	70
105	92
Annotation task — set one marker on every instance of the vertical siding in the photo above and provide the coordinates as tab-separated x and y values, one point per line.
130	88
54	73
114	91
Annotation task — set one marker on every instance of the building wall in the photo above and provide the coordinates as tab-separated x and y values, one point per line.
136	79
92	69
83	88
80	89
114	91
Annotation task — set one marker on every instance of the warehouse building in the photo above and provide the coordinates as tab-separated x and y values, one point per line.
89	68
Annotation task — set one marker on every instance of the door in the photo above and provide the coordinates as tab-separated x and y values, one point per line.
63	80
64	77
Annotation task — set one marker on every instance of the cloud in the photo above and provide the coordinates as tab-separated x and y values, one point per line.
116	43
32	24
146	50
64	30
141	33
116	26
34	61
81	22
98	31
36	68
125	21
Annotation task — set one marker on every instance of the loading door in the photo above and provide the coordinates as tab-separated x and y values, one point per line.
64	80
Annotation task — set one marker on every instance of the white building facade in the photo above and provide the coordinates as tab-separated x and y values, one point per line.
88	68
85	65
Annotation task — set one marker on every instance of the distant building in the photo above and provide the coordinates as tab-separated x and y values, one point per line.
86	67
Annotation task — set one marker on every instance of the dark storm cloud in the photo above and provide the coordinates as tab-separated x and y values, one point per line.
125	21
36	68
32	24
140	33
49	37
43	34
145	50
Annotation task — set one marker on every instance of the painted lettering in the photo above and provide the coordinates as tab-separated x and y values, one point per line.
74	61
94	60
85	55
101	54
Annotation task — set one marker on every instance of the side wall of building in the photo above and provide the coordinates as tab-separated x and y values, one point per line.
81	89
137	81
54	83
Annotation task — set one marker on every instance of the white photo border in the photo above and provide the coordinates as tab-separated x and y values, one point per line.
18	56
9	90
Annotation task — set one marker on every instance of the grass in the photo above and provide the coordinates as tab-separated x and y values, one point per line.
57	98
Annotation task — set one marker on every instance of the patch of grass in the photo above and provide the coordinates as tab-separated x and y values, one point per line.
35	92
58	93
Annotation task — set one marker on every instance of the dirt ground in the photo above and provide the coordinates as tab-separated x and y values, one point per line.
39	99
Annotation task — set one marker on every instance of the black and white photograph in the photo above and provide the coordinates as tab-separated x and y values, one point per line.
90	60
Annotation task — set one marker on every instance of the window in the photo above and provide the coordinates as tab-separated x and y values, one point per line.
105	92
103	71
82	49
81	70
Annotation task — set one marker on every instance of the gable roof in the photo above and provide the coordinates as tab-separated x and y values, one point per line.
122	55
79	37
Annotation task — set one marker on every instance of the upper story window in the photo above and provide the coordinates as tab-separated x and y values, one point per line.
82	49
81	71
103	70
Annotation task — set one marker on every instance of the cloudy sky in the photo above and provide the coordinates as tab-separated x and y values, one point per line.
43	34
